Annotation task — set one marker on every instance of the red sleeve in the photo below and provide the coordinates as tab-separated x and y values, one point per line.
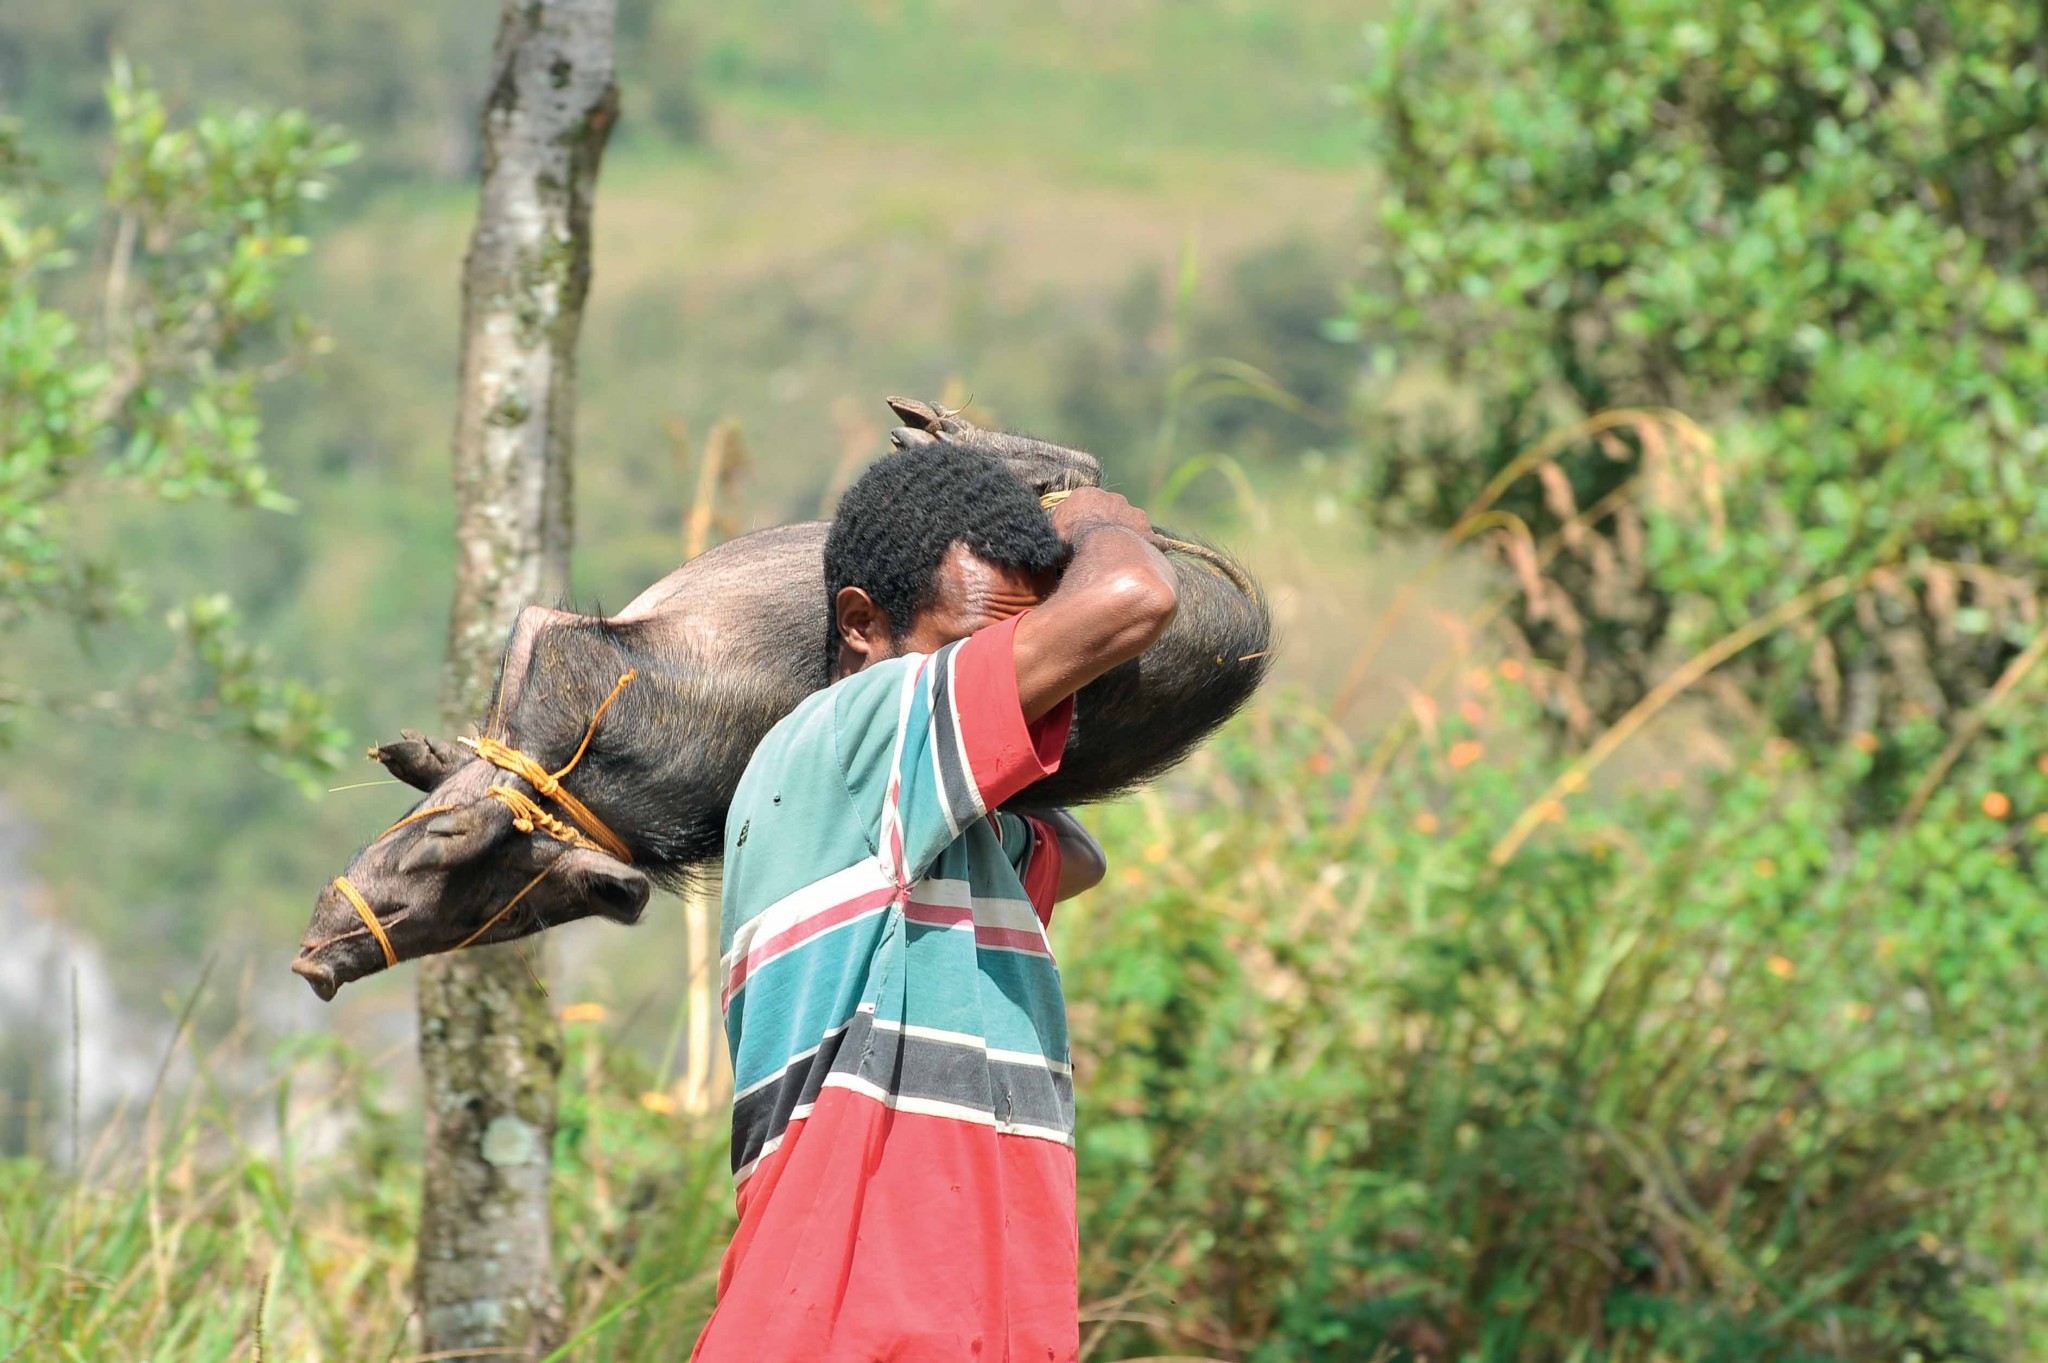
1005	753
1042	871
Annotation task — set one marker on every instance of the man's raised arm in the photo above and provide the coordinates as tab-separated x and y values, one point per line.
1114	601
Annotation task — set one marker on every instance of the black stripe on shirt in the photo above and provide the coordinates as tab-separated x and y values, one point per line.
960	1073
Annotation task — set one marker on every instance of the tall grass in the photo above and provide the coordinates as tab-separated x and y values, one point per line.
211	1210
275	1220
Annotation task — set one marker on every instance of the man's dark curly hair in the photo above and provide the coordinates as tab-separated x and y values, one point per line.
897	522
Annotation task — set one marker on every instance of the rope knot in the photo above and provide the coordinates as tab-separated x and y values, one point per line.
583	828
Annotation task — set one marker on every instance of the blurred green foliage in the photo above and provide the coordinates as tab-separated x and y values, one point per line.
404	78
137	375
407	79
1818	228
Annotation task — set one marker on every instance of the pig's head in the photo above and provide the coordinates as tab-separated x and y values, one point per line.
445	880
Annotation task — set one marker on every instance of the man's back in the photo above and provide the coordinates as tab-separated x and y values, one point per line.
903	1119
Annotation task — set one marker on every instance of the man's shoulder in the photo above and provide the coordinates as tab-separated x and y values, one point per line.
830	730
878	684
800	740
798	735
797	811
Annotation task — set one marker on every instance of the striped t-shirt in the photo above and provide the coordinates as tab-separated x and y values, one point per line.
903	1114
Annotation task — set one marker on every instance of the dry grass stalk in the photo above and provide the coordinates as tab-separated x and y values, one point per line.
1574	777
859	440
1968	730
718	475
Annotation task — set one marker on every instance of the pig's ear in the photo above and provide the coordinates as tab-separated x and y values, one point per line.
613	889
457	836
419	761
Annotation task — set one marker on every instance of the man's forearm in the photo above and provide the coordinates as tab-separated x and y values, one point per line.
1116	598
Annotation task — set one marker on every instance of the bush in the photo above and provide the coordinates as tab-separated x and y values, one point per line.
1685	1076
1817	227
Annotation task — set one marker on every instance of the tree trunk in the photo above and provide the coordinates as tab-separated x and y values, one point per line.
489	1045
707	1068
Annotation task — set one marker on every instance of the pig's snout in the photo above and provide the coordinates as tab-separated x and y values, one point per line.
337	947
319	975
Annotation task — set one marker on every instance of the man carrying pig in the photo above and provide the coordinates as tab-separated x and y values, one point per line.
903	1112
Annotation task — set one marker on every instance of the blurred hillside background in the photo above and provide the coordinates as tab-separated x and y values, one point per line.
1616	935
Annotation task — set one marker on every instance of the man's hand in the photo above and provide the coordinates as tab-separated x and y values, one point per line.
1088	507
1114	601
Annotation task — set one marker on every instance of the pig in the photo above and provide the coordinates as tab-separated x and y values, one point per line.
717	652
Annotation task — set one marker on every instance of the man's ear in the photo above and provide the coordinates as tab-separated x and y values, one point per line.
864	628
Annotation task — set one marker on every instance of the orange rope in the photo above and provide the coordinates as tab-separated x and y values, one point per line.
549	783
527	816
413	817
603	706
510	759
362	908
510	904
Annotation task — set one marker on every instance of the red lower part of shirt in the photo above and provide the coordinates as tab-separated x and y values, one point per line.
871	1234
